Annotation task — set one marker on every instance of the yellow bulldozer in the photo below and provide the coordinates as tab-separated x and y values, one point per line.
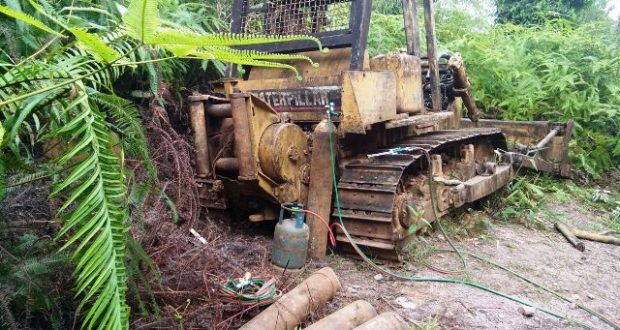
390	123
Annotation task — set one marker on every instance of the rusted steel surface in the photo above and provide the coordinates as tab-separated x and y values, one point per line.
412	26
554	132
596	237
243	141
431	46
211	193
227	164
346	318
570	237
199	127
281	150
407	70
546	143
565	170
375	206
293	307
363	104
462	86
220	110
385	321
320	189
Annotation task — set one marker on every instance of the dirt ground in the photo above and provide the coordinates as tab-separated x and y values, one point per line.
591	278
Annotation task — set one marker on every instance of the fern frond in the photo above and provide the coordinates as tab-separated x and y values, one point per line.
27	19
125	115
96	46
221	52
142	19
1	133
25	178
231	58
137	258
174	37
180	50
95	215
16	120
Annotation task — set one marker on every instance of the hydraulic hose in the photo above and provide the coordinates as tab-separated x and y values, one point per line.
378	268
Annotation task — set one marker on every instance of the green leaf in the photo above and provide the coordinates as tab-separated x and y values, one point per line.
142	19
96	46
95	215
27	19
1	133
174	37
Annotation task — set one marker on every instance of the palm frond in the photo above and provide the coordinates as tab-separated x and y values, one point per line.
27	19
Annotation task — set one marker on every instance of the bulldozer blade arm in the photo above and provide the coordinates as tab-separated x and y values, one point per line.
538	145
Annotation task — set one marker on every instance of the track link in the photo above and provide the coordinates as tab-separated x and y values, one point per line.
369	189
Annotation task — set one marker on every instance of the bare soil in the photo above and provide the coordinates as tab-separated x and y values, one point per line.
591	278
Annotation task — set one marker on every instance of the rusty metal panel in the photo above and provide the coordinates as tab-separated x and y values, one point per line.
366	229
553	159
367	98
408	72
386	176
526	132
376	198
482	186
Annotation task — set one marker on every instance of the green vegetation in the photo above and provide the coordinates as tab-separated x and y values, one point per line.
71	74
419	250
558	71
32	284
57	89
540	11
431	324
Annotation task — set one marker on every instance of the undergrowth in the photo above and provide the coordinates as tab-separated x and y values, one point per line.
32	283
555	72
431	324
558	71
419	250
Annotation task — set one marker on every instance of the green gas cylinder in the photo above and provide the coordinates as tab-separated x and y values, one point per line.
290	238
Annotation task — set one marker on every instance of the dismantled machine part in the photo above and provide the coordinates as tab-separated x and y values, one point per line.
265	139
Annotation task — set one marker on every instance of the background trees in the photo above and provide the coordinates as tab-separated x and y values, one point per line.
539	11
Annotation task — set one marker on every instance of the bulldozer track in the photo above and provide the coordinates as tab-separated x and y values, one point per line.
369	189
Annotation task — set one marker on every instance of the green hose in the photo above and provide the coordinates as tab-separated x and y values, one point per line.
542	287
415	278
441	228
